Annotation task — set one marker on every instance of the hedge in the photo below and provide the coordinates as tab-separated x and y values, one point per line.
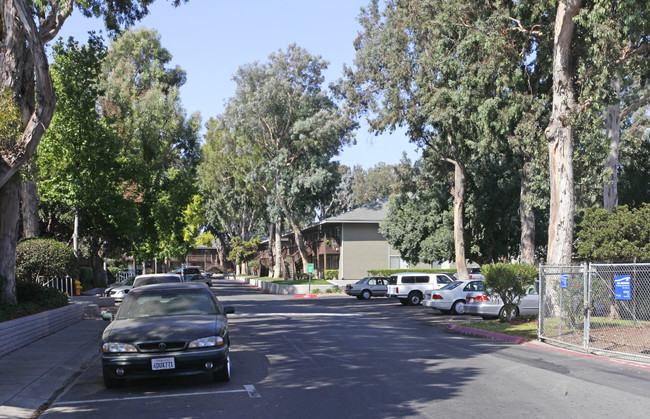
45	257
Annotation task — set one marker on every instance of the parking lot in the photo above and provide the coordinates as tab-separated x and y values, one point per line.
339	356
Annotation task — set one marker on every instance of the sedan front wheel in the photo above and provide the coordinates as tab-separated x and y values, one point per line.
223	374
366	294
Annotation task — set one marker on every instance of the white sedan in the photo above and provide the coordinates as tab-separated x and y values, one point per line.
451	298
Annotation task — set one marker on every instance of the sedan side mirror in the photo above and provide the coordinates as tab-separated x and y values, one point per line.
108	317
228	310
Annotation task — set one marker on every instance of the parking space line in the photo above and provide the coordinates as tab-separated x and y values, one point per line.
252	393
250	389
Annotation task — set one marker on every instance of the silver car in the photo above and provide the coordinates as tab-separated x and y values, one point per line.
119	290
150	279
368	287
492	307
451	298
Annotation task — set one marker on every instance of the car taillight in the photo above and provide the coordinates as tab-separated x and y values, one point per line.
396	290
349	287
437	297
481	298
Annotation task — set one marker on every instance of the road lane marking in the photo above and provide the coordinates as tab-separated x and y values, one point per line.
250	389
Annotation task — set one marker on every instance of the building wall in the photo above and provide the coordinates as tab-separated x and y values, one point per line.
362	248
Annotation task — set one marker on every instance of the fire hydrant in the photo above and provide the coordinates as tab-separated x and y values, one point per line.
77	287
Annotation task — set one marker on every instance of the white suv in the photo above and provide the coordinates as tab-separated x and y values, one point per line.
409	287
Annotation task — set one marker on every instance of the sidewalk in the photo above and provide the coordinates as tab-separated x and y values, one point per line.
35	374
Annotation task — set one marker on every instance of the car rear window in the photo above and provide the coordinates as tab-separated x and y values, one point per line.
392	280
452	286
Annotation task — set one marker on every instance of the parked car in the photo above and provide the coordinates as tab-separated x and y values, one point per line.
478	303
409	287
451	298
193	273
119	290
371	286
474	273
168	329
141	280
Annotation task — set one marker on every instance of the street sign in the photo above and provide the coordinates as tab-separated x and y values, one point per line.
310	268
564	280
622	287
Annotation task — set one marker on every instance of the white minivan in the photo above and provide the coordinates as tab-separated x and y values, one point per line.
409	287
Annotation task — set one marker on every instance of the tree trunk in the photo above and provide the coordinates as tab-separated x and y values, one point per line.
527	218
300	242
29	205
559	134
9	211
24	70
613	128
277	250
459	227
100	278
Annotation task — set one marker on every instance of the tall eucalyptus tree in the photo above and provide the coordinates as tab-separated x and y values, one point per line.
457	74
281	107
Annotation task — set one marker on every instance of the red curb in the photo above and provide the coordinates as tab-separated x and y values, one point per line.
305	296
487	334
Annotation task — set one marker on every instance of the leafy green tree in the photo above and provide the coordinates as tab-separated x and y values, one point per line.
24	69
456	74
233	198
510	282
634	171
160	148
78	161
241	251
281	107
622	234
594	41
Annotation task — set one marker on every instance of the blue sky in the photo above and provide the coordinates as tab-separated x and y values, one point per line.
210	39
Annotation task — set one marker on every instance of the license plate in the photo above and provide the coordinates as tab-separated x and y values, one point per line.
163	364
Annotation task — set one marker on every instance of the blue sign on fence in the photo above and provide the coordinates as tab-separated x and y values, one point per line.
564	280
622	287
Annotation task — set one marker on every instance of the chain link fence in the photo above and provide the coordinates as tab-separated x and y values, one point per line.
598	308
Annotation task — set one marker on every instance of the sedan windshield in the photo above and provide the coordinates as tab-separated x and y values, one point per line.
165	302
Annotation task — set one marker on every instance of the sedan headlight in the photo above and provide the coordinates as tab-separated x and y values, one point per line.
116	347
205	342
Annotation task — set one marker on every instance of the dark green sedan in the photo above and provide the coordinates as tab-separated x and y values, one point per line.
170	329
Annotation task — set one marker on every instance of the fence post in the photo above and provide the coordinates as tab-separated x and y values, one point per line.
586	298
540	302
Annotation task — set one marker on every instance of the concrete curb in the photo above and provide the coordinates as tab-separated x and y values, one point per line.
486	334
269	287
19	332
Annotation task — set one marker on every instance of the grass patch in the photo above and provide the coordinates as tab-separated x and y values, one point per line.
524	327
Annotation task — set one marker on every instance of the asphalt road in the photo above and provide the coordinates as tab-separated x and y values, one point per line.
332	357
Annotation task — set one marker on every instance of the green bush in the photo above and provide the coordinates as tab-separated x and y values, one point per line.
31	292
509	281
45	257
32	298
389	272
331	274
